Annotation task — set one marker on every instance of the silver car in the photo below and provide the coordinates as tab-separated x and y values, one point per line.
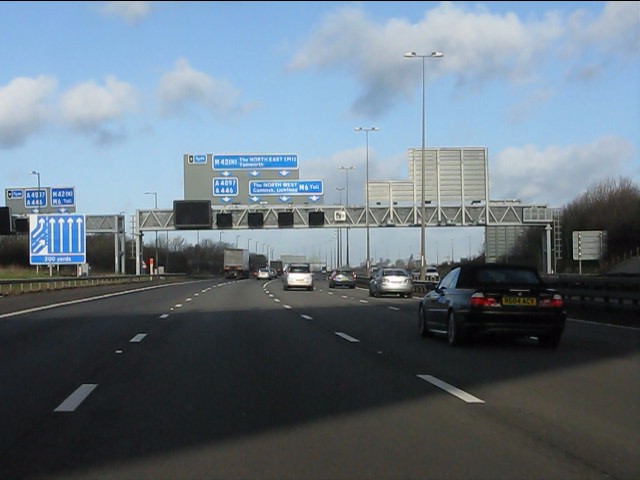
387	281
298	276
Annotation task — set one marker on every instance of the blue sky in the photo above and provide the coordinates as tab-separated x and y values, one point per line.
108	96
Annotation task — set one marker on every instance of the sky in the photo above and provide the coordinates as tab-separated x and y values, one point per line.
108	96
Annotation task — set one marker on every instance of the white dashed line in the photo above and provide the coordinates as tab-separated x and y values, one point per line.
344	296
288	307
306	317
76	398
277	300
138	338
330	293
456	392
188	299
395	309
178	305
164	315
347	337
364	301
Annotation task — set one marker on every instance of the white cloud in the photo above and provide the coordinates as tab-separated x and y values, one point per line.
184	86
132	12
89	107
478	47
24	108
616	32
556	175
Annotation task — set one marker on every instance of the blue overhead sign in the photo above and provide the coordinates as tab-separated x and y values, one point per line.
57	239
285	187
225	187
63	196
253	162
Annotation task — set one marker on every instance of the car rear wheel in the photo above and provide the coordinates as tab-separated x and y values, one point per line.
454	335
423	330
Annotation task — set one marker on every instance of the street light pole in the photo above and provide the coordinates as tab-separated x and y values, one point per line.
33	172
155	195
346	170
423	225
339	230
366	207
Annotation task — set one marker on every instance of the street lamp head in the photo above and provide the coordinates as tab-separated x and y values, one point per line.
358	129
410	54
437	54
374	129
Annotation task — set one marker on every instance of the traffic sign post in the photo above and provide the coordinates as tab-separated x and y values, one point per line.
57	239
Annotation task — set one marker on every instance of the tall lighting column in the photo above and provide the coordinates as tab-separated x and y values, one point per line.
346	170
33	172
155	195
423	225
366	189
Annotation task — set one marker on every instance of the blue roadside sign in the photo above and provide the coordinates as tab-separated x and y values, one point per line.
34	198
57	239
63	196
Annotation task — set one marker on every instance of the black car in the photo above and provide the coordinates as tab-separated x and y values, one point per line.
493	299
342	277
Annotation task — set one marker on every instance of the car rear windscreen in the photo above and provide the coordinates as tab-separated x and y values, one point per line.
299	269
506	276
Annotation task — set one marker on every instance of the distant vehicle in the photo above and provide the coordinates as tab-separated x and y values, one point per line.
263	274
236	263
493	299
273	273
430	274
277	266
342	277
387	281
298	275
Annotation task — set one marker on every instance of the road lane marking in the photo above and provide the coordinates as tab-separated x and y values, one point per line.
347	337
306	317
188	299
178	305
76	398
330	293
394	308
344	296
456	392
164	315
364	301
288	307
277	300
138	338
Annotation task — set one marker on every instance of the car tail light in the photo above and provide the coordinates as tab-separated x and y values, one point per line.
553	302
479	300
353	275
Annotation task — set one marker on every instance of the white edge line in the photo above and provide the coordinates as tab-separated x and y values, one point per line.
83	300
625	327
456	392
396	309
76	398
306	317
164	315
288	307
347	337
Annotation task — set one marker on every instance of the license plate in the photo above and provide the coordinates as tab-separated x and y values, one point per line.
519	301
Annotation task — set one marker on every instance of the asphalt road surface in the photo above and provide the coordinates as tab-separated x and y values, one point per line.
222	380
